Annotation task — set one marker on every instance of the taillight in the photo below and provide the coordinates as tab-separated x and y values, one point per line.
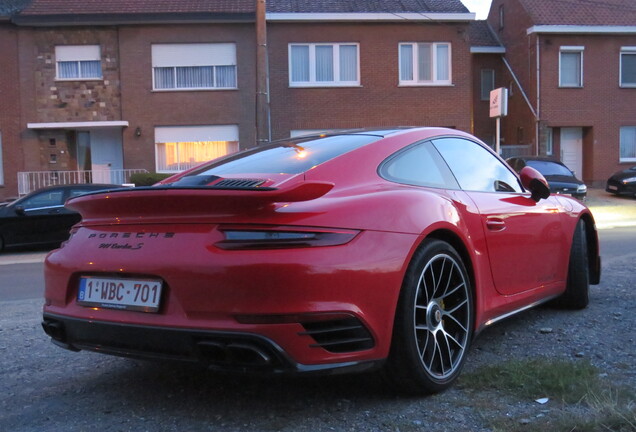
282	237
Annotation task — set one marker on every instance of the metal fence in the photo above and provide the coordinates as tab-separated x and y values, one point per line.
28	181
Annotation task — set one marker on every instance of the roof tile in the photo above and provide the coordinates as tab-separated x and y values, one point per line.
581	12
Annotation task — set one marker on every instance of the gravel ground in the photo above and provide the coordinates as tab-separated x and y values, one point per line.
45	388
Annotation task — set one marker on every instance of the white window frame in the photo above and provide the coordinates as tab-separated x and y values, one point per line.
78	54
415	63
337	82
485	95
627	50
549	145
213	55
571	50
218	134
621	132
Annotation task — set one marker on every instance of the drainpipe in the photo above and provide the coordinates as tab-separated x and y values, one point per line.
263	119
538	116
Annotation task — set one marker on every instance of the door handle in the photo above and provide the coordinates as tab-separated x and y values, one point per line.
495	224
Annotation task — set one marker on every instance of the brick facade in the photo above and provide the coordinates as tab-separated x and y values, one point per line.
379	100
599	108
10	128
145	109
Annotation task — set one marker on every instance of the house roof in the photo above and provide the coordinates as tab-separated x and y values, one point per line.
481	35
88	7
94	7
581	12
366	6
10	7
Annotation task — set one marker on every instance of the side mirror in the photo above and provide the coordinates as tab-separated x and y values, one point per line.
533	180
19	210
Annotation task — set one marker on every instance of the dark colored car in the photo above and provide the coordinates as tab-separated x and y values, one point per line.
622	182
376	248
559	177
40	218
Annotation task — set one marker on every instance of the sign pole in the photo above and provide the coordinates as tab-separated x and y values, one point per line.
498	137
498	109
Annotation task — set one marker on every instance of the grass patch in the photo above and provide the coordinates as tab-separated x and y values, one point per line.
588	403
566	381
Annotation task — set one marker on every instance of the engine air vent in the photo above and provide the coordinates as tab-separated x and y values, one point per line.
238	183
339	336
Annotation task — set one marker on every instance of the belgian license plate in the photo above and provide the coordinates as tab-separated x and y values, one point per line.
612	187
125	294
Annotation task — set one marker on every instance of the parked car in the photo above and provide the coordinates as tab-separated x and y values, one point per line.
371	249
622	182
40	218
560	178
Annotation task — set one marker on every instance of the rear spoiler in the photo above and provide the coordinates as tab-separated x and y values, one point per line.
161	202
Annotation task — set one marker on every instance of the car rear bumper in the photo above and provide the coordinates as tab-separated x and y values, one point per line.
233	351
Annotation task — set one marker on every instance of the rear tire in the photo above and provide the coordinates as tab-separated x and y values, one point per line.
576	295
433	323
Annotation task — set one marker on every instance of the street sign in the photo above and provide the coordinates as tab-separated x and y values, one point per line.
499	102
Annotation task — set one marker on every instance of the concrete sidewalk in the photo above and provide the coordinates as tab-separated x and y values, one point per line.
611	211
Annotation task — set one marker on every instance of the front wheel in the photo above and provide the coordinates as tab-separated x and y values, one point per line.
433	323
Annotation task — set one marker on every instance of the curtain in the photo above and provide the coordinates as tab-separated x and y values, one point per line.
68	69
91	69
179	156
300	63
226	76
348	63
406	62
443	63
628	142
324	63
425	65
628	69
164	78
571	69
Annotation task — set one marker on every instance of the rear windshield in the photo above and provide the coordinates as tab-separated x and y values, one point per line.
550	168
287	157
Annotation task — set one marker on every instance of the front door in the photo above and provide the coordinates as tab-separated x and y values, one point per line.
107	155
572	149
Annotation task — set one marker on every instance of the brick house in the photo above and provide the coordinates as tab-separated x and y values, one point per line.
10	127
575	63
109	87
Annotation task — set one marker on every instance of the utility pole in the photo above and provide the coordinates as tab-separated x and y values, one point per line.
263	119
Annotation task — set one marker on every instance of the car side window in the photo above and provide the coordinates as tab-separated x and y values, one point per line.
475	168
44	199
419	165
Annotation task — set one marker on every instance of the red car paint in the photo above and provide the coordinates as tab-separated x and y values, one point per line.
515	249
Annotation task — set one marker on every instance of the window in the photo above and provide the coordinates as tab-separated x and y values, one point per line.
628	67
202	66
571	67
549	144
78	62
628	144
419	165
487	83
182	147
324	65
425	64
475	168
501	17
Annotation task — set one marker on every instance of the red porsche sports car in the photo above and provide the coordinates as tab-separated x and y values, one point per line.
374	248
